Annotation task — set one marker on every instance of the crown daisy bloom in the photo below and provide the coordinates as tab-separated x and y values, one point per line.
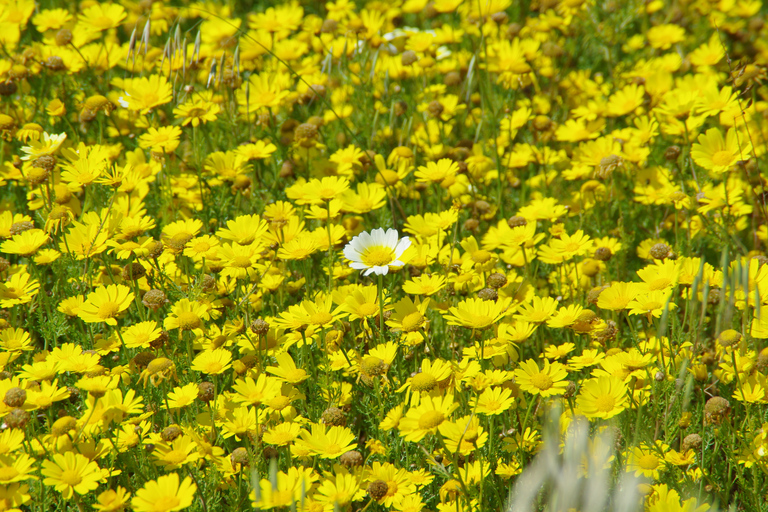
376	251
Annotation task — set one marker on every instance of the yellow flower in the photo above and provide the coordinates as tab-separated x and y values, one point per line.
165	494
145	93
105	303
161	140
426	417
494	400
18	289
328	443
477	313
287	370
196	112
546	381
71	473
213	362
602	397
719	154
25	243
101	17
187	315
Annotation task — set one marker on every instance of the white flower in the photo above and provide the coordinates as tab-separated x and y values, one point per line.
376	251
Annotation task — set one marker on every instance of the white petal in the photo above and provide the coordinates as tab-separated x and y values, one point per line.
402	245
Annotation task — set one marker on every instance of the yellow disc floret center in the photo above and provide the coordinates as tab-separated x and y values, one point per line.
108	310
605	403
541	381
413	321
321	318
431	419
423	382
648	462
378	256
722	158
71	477
188	320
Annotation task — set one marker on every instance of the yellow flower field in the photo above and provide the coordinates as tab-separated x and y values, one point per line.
400	255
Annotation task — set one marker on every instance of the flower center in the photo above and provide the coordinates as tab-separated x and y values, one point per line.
605	403
378	256
722	158
321	318
413	321
8	473
481	256
648	462
423	382
214	367
368	309
241	262
431	419
175	457
108	309
165	503
541	381
188	320
71	477
279	403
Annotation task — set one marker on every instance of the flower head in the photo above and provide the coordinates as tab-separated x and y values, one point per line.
376	251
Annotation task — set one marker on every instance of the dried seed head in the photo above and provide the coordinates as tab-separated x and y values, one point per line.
63	37
672	153
329	26
452	78
435	108
691	442
497	280
17	418
20	227
209	283
155	249
54	63
142	359
500	18
471	224
352	458
170	433
37	175
603	254
408	57
660	251
154	299
47	162
488	294
259	326
239	456
15	397
378	489
133	272
334	417
8	88
205	391
716	410
729	338
160	341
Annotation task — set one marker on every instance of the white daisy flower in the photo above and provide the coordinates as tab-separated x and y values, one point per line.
376	251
